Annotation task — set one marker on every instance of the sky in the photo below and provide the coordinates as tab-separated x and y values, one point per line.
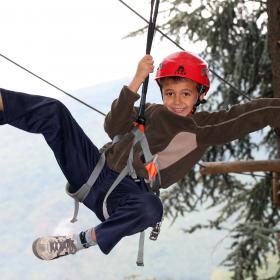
73	44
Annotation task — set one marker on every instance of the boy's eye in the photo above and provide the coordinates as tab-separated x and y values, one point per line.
169	93
186	93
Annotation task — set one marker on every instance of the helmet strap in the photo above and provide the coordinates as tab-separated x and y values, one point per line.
198	102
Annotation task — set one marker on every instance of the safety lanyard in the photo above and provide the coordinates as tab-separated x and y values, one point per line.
151	30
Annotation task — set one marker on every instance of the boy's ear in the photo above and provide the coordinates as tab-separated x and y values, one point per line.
202	96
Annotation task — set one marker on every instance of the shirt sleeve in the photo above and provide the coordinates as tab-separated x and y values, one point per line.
123	113
227	125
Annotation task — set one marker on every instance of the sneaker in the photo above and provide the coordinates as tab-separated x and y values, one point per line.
53	247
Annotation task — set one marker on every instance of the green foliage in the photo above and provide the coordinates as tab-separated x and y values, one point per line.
234	33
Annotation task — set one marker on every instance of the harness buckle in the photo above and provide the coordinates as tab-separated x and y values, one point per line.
140	126
155	231
152	168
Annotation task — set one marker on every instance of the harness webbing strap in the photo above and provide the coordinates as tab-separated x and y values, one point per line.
140	136
131	170
150	160
115	184
140	256
81	194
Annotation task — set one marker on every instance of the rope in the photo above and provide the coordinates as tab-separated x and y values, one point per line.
150	36
237	91
51	84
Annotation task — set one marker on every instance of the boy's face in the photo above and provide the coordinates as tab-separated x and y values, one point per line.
180	96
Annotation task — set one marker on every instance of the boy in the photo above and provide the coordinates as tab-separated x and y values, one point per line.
175	134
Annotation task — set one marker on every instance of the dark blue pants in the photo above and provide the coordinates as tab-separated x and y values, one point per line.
130	206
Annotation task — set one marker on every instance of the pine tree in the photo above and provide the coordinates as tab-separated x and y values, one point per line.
235	34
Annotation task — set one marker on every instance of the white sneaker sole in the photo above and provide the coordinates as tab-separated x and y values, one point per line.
34	249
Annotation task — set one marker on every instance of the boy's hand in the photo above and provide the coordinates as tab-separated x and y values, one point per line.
145	66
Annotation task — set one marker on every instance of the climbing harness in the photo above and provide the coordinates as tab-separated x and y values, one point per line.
128	170
154	181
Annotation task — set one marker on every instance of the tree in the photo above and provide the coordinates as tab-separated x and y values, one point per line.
273	10
235	35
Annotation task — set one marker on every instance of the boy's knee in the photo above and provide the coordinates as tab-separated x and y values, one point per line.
56	110
56	106
55	116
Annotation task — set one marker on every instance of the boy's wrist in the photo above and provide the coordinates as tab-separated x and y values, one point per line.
135	84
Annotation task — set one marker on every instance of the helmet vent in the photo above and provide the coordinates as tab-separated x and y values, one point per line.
160	66
204	72
180	70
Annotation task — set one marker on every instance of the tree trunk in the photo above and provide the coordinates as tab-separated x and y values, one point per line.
273	12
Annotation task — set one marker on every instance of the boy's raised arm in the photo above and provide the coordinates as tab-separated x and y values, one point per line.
123	113
145	66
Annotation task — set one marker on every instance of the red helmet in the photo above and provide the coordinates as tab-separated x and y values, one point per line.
187	65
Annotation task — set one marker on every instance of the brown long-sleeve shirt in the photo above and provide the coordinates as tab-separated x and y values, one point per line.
180	141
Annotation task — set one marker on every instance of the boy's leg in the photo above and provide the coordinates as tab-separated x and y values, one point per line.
74	152
132	209
135	214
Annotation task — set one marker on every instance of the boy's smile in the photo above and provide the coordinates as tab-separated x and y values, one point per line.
180	96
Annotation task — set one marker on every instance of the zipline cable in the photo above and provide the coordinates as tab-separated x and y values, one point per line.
84	103
96	110
237	91
51	84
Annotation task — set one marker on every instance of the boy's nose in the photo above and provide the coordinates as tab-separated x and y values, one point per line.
177	99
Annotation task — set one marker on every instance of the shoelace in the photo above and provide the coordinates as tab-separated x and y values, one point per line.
66	246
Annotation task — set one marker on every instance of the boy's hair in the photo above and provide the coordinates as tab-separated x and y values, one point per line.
177	79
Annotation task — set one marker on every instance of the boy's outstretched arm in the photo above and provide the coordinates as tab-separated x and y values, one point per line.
1	104
145	66
227	125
